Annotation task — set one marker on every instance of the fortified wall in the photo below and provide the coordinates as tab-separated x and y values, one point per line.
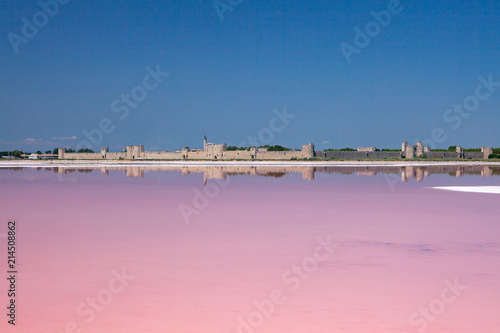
420	151
357	155
212	151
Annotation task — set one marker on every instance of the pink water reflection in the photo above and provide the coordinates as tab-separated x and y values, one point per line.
395	251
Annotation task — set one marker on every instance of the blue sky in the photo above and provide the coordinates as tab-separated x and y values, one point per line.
227	76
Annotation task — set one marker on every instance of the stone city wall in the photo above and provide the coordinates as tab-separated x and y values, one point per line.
454	155
162	155
218	152
357	155
442	154
279	155
239	155
82	156
116	156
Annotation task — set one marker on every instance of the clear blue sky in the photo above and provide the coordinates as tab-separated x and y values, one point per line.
226	77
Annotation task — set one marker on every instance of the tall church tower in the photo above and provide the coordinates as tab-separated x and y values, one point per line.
204	142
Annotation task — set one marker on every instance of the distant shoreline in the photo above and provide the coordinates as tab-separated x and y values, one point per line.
99	163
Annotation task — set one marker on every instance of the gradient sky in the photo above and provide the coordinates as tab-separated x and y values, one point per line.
226	77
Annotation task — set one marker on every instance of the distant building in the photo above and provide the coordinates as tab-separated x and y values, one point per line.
367	149
419	150
39	156
414	151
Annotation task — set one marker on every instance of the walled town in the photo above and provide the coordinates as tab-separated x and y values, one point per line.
212	151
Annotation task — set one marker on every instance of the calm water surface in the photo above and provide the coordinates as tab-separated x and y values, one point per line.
253	249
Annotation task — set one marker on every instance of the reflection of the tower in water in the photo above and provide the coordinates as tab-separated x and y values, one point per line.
221	172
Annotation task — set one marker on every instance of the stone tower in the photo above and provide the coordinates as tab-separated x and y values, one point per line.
308	151
135	152
420	149
104	152
60	153
410	151
487	151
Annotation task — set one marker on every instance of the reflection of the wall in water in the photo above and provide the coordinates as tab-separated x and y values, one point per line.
221	172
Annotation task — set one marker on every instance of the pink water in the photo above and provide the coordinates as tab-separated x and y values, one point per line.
394	254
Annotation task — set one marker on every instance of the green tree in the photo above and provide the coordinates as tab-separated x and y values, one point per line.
235	148
275	148
70	150
16	153
39	152
55	151
85	150
347	149
47	152
452	148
